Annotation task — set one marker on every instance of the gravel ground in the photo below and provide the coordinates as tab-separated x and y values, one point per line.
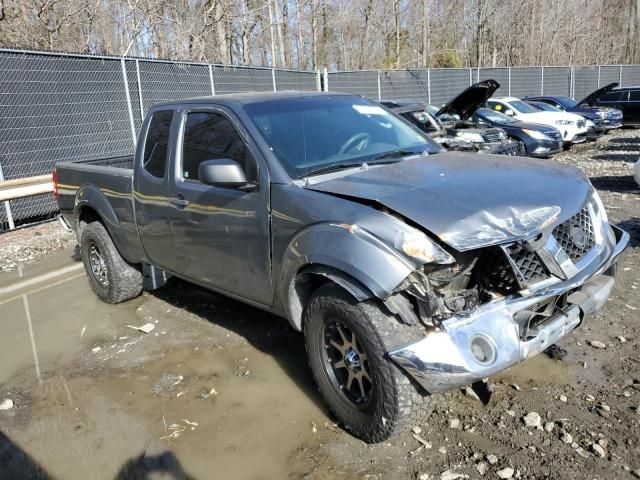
546	419
28	245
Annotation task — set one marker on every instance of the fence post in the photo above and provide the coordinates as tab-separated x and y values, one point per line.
620	76
379	89
326	79
478	74
139	90
572	82
509	72
128	96
7	207
599	66
429	85
273	79
542	80
470	76
213	87
318	81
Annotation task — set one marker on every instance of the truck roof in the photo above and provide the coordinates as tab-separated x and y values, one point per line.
250	97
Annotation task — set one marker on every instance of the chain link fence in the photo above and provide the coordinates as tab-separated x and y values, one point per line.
438	85
59	107
64	107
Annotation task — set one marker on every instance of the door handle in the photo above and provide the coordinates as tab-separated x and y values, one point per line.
180	202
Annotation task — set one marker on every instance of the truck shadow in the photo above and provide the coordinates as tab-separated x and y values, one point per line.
16	464
615	183
632	227
267	333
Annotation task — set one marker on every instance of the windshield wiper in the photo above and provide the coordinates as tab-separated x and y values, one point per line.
334	167
387	157
393	154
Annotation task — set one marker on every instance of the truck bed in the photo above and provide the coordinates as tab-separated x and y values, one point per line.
107	182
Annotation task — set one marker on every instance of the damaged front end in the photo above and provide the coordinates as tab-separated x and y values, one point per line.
499	305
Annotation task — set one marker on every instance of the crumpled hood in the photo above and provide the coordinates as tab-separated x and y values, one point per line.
468	200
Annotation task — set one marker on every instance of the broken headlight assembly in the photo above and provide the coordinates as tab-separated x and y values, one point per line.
419	247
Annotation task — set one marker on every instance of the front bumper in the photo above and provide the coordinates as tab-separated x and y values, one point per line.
543	148
443	360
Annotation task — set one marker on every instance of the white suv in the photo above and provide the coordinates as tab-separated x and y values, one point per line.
573	127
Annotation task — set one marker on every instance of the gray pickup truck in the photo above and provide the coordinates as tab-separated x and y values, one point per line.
410	270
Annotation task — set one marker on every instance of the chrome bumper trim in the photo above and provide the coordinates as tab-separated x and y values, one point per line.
442	360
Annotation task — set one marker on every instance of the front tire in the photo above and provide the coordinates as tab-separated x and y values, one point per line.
110	276
346	344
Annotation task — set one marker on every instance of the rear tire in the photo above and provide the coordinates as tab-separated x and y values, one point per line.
110	276
346	344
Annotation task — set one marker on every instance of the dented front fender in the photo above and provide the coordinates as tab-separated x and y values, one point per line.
349	249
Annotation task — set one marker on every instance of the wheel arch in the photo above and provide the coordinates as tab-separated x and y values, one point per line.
92	205
346	255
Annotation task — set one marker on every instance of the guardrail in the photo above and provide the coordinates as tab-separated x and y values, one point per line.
21	188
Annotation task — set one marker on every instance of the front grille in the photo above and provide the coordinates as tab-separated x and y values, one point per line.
528	264
554	135
492	136
512	148
496	272
580	123
576	236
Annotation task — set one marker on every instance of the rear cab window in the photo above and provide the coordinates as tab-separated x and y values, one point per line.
156	146
634	96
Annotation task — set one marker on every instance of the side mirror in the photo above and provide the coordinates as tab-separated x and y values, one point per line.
225	173
509	112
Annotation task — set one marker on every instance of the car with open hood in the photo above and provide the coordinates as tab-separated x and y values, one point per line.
593	131
541	141
464	138
408	269
625	99
573	127
605	118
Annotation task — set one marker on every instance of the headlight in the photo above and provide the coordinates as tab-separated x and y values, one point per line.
417	245
564	122
601	114
470	137
502	135
589	123
535	134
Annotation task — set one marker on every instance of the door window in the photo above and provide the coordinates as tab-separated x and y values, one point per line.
156	146
613	97
634	96
212	136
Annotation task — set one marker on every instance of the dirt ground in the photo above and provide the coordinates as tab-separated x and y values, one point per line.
220	390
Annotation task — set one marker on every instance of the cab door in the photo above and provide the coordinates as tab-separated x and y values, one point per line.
150	187
220	235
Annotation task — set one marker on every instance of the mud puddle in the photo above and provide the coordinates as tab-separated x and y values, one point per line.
215	390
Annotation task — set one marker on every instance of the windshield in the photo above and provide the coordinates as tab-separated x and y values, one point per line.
311	133
545	107
566	102
494	116
522	107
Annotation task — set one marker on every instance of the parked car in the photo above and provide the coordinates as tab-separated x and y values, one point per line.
539	140
603	117
573	127
410	270
625	99
465	137
594	132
